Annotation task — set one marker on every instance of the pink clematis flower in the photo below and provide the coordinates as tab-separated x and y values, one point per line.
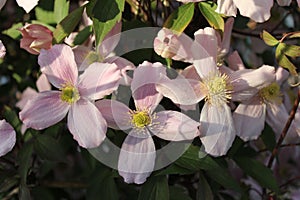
137	156
35	38
265	105
7	137
2	50
75	97
84	56
27	5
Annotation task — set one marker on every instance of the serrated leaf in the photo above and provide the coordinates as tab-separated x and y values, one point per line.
105	14
48	148
180	18
283	60
204	191
61	9
214	19
13	31
258	171
67	25
155	188
269	39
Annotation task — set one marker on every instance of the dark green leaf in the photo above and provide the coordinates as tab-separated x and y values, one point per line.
268	138
24	160
180	18
179	193
214	19
269	39
258	171
24	193
83	35
67	25
204	191
44	12
174	169
11	117
155	188
61	9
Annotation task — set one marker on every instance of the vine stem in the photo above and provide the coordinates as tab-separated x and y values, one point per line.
284	131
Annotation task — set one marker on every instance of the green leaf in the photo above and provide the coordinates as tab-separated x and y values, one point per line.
67	25
295	35
180	18
283	60
13	31
24	160
24	193
174	169
61	9
11	117
258	171
105	14
290	50
155	188
268	138
204	191
214	19
179	193
44	12
48	148
269	39
83	35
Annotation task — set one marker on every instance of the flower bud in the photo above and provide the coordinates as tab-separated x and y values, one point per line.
35	38
2	50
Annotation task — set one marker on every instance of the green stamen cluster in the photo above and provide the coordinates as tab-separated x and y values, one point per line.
69	94
271	93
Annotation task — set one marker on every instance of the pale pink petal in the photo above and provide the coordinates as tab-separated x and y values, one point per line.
190	72
143	87
249	119
44	110
284	2
217	129
99	80
42	83
110	41
84	57
207	37
226	7
181	91
124	65
116	114
225	45
298	1
27	94
235	61
7	137
175	126
257	10
2	49
281	75
169	44
27	5
137	159
59	65
2	3
86	124
247	82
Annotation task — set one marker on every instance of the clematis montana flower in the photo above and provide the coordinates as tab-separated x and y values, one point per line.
75	96
2	50
265	105
205	81
7	137
35	38
27	5
84	56
137	156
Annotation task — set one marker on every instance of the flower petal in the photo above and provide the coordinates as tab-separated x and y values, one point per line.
180	90
59	65
44	110
257	10
2	49
225	45
84	57
42	83
27	94
235	61
99	80
27	5
249	119
86	124
137	159
217	129
7	137
175	126
226	7
284	2
207	38
116	114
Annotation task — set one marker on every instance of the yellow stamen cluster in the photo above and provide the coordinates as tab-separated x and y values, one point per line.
69	93
271	93
140	119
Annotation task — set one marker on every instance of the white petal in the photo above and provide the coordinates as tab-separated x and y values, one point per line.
226	7
27	5
7	137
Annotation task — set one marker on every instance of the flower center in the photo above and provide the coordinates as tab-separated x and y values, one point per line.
69	94
140	119
271	93
217	88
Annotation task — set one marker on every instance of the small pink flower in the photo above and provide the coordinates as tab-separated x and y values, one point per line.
7	137
2	50
137	156
75	97
35	38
